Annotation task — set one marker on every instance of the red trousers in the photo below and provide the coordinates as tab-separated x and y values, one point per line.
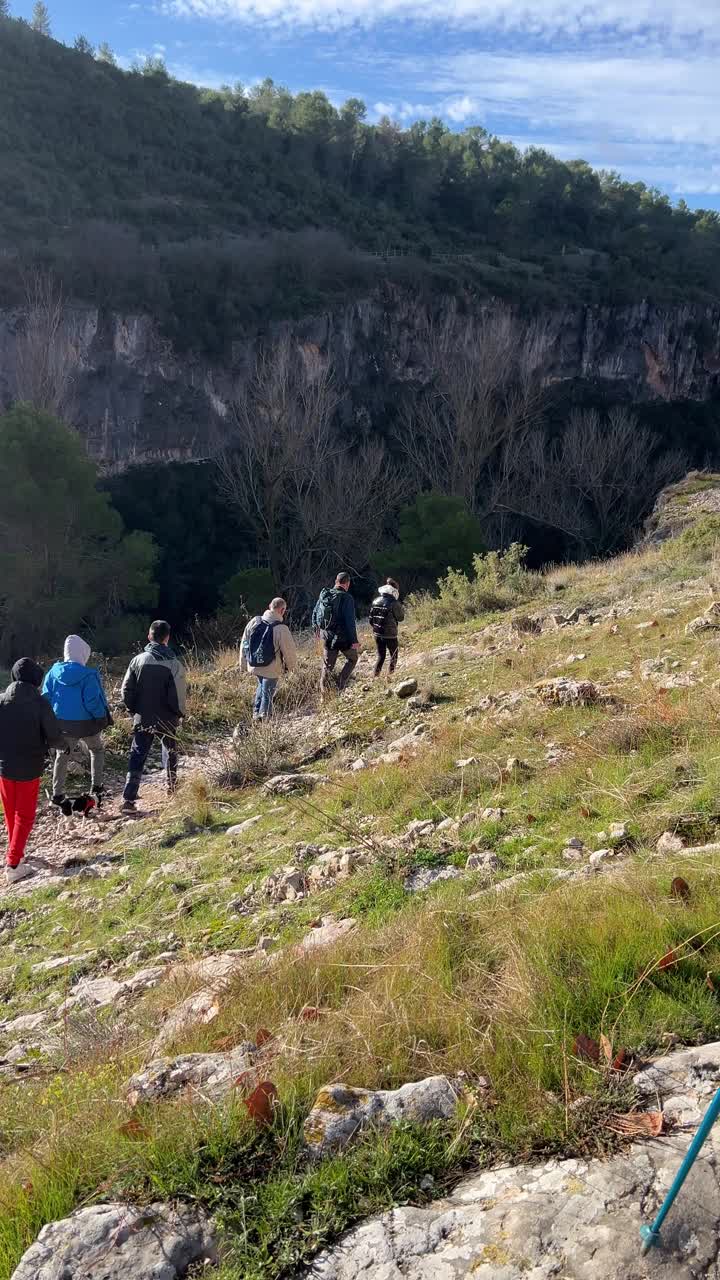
19	800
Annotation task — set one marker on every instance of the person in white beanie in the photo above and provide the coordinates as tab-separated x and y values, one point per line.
76	695
385	614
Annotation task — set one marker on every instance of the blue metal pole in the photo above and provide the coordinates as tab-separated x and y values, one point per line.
651	1235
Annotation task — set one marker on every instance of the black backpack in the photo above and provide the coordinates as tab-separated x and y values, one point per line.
379	613
326	609
261	644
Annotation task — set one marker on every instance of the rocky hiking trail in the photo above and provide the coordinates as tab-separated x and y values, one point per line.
423	957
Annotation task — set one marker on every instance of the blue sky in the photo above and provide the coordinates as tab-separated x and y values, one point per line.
632	85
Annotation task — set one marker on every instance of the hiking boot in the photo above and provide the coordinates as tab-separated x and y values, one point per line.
128	806
20	872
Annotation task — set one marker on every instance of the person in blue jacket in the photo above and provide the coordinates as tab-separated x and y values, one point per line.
76	695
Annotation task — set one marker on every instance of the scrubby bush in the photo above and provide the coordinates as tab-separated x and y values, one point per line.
699	542
499	580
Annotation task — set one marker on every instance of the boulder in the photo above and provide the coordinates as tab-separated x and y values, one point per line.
339	1112
405	689
575	1219
285	885
119	1241
208	1075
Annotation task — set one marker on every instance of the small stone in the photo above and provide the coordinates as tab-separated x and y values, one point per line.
698	625
63	962
358	765
328	932
619	833
241	827
599	856
208	1075
575	843
286	783
466	763
406	688
669	843
492	815
196	1010
484	860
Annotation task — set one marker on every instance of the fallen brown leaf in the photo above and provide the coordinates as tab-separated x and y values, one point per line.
680	889
668	960
638	1124
132	1128
261	1102
584	1047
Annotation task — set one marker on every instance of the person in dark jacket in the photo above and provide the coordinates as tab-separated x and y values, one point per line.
28	729
385	614
334	618
154	691
76	695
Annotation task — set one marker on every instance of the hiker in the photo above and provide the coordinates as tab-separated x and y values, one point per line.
28	729
154	691
76	695
334	617
385	614
266	650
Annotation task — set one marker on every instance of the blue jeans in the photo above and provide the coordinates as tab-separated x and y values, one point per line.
263	705
140	750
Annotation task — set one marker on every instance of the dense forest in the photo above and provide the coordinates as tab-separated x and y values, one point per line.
214	209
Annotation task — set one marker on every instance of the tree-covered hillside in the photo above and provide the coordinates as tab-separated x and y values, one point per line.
214	209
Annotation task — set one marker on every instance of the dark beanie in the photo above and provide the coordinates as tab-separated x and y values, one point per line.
26	671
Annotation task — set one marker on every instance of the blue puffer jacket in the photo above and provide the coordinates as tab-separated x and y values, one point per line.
77	697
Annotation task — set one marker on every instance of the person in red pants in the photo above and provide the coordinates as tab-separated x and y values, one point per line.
28	729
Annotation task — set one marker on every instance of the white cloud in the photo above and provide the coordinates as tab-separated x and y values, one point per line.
534	18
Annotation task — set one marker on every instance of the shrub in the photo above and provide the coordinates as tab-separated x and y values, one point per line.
499	581
699	542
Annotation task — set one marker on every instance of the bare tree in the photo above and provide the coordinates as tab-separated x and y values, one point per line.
486	392
45	361
594	483
307	495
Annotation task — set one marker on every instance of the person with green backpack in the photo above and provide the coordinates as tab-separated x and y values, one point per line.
334	618
266	650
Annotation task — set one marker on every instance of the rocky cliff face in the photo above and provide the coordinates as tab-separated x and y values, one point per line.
136	400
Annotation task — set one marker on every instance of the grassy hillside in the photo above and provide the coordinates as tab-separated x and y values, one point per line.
217	209
496	971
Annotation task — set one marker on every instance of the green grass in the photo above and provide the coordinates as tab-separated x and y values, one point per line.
456	979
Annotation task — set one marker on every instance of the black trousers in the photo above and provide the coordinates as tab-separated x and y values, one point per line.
386	645
330	657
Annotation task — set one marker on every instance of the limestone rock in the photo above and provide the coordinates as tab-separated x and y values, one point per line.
284	784
26	1022
669	843
406	688
63	962
214	971
196	1010
573	1219
241	828
340	1112
119	1241
326	933
207	1075
703	623
564	692
421	878
483	860
285	885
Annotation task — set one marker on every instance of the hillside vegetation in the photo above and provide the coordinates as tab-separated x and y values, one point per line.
503	869
216	209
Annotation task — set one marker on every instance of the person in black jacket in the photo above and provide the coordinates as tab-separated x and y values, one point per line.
385	614
334	618
154	691
28	729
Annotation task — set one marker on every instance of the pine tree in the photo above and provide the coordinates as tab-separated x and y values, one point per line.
105	54
4	9
40	20
84	46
